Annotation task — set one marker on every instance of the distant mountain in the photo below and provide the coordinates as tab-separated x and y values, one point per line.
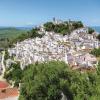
8	28
96	28
24	28
28	27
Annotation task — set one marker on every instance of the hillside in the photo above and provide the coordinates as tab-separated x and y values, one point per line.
9	34
53	61
55	65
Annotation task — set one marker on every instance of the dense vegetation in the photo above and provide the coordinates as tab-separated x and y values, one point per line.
63	28
96	52
98	37
14	73
47	81
30	34
10	32
90	30
9	36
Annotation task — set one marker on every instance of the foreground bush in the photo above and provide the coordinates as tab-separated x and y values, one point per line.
47	81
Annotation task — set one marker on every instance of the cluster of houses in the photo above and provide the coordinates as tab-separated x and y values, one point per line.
73	49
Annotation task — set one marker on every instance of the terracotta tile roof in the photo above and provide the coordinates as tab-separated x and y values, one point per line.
3	84
7	93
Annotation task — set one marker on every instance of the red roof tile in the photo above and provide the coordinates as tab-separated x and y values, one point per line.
3	84
10	92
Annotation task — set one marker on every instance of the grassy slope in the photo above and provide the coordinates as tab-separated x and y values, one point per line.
10	33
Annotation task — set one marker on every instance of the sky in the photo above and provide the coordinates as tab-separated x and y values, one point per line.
35	12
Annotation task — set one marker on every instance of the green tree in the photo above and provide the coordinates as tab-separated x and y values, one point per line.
98	37
90	30
47	81
96	52
49	26
42	81
14	73
77	24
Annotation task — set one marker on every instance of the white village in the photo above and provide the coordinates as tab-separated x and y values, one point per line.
73	49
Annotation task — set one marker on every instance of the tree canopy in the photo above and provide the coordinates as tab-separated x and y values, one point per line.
47	81
77	24
14	73
63	28
49	26
90	30
98	37
96	52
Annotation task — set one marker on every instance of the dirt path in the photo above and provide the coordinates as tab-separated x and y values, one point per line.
3	66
